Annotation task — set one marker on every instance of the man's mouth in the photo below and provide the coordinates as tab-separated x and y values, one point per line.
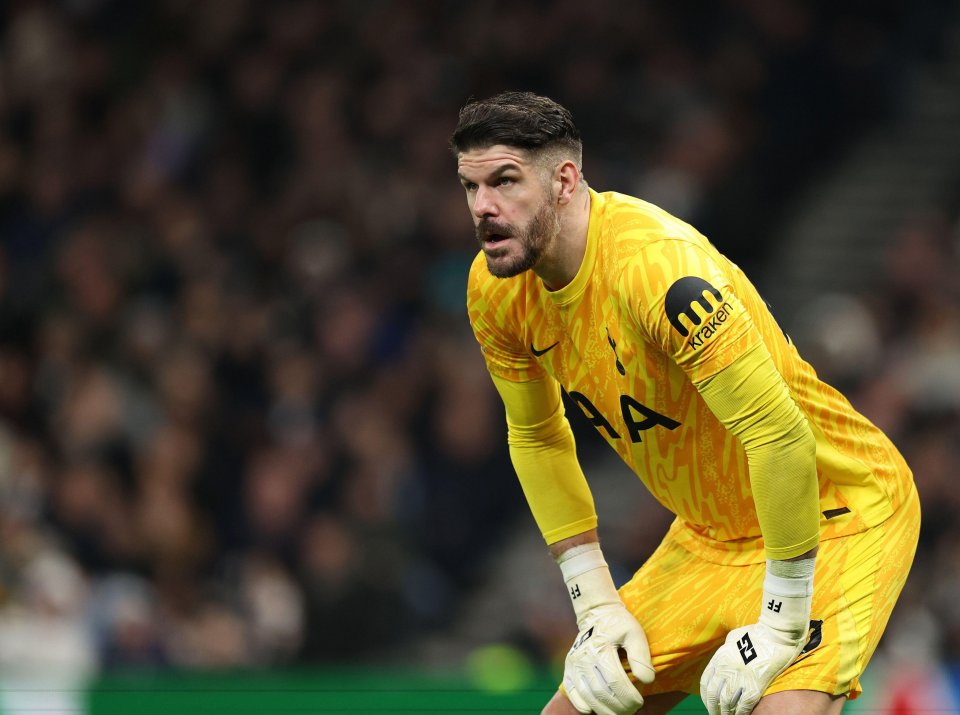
492	233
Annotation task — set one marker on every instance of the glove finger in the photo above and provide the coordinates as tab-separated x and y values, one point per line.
638	656
707	677
707	693
746	705
723	707
611	673
573	695
730	699
625	695
585	692
601	695
711	702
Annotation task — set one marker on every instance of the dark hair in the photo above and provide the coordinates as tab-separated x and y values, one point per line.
519	119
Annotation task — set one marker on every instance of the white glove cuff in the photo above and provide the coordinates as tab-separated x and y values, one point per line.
790	578
580	559
787	598
587	577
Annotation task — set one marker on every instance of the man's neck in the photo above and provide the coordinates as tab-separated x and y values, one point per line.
560	265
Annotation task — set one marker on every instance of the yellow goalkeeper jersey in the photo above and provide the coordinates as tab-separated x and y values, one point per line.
654	310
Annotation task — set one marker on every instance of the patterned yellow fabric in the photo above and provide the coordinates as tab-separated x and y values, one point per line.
545	458
857	582
750	399
654	311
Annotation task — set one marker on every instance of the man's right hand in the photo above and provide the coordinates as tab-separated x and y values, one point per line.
594	677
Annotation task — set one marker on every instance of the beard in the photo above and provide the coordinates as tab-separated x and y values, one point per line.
532	240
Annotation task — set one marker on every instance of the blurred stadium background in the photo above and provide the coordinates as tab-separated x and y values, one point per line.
249	457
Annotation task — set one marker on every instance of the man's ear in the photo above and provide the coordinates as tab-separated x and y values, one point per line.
566	179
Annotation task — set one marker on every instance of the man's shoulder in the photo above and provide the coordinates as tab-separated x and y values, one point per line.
637	224
622	211
642	233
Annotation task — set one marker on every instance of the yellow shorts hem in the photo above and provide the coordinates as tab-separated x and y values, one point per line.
824	685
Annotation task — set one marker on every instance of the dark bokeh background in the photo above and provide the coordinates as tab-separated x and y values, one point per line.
242	419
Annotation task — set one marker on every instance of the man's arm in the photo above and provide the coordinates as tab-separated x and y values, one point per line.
751	399
669	284
544	456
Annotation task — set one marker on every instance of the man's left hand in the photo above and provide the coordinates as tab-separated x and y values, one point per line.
744	666
752	656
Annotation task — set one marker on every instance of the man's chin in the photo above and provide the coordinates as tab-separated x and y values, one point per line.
506	266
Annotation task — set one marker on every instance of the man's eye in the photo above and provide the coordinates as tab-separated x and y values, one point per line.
470	186
504	181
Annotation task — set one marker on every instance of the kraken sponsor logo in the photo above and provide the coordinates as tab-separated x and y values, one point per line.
712	325
689	298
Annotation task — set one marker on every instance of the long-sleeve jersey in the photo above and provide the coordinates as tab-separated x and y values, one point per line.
674	357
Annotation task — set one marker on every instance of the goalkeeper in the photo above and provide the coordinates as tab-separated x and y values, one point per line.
796	518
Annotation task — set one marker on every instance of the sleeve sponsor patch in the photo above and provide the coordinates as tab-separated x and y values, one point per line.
694	306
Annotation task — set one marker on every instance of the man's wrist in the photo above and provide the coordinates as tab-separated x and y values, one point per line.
793	579
787	596
582	557
587	576
790	578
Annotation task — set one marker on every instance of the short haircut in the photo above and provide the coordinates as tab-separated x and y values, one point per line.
518	119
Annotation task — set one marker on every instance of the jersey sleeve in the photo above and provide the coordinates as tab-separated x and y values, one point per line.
686	301
544	456
750	399
490	306
542	447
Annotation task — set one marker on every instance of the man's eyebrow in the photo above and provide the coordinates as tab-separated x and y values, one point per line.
504	168
496	173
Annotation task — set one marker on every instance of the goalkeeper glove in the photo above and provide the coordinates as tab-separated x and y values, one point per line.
594	677
752	656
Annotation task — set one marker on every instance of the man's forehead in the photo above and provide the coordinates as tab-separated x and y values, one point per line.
492	157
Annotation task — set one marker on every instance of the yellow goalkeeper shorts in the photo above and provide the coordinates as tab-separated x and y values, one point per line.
687	605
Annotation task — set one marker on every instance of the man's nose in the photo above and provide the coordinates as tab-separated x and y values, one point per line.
483	203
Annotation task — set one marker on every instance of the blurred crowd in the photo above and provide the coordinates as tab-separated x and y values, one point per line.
907	380
242	418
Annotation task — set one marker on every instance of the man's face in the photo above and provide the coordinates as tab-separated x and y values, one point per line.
514	216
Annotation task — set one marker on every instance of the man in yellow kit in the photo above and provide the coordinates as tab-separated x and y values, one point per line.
796	518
